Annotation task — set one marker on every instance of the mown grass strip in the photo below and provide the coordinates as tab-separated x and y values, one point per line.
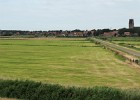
69	62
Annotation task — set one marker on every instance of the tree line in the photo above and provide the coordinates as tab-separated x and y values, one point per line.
66	33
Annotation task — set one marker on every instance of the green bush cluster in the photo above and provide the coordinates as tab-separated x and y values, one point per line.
29	90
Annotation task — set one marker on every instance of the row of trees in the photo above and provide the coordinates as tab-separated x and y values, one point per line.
133	31
53	32
85	33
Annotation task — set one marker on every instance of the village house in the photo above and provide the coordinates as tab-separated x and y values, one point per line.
110	34
127	34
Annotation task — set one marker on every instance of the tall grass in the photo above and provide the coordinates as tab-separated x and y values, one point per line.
37	91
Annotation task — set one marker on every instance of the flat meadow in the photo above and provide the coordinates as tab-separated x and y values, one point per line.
130	42
68	62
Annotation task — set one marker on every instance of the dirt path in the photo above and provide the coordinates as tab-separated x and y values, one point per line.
7	99
43	38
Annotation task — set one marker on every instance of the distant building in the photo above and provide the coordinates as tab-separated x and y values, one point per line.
131	23
111	33
127	33
133	30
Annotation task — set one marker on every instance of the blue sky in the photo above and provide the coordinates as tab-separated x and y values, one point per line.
67	14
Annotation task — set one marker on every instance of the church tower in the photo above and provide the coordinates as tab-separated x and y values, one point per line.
131	23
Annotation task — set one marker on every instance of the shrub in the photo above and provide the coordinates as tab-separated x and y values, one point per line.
37	91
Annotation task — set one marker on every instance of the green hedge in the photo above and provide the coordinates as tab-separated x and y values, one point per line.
29	90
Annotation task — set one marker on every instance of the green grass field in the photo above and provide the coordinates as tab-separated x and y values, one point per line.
130	42
69	62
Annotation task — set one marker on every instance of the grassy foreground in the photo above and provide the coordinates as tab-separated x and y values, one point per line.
69	62
28	90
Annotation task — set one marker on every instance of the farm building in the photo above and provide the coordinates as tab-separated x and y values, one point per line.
112	33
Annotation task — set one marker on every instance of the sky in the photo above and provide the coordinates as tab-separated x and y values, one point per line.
67	14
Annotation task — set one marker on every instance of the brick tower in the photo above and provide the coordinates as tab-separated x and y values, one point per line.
131	23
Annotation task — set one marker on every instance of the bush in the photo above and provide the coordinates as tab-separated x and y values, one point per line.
30	90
